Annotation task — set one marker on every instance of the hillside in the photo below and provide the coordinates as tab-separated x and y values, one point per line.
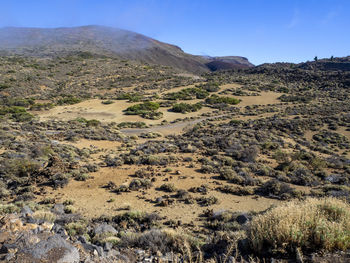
104	159
43	42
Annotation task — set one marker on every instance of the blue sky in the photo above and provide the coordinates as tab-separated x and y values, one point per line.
261	30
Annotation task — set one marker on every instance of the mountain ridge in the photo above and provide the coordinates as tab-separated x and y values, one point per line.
31	41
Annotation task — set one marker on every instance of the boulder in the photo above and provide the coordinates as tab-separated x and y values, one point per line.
54	249
104	228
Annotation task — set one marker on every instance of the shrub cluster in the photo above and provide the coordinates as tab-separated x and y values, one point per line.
147	110
185	107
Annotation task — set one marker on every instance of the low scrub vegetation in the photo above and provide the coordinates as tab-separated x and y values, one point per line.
187	94
215	99
185	107
147	110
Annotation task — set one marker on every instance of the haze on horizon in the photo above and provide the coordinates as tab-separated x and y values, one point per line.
262	31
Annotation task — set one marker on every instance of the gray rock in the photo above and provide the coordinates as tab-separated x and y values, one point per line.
139	252
25	211
104	228
333	178
9	256
58	209
82	239
108	246
54	249
31	220
59	230
100	251
159	200
89	247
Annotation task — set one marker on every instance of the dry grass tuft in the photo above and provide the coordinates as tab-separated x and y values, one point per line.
311	225
46	216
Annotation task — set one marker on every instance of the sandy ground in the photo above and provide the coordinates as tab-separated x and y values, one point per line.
91	199
94	109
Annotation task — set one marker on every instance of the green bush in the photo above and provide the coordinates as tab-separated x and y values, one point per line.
137	124
168	188
187	94
88	123
41	106
215	99
185	107
106	102
140	108
210	86
147	110
131	97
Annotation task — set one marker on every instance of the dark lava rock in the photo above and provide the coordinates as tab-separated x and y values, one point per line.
242	219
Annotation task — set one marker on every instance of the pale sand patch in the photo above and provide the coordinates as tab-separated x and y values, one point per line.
101	144
94	109
91	200
266	97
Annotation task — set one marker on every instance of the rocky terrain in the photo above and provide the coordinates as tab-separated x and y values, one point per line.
110	159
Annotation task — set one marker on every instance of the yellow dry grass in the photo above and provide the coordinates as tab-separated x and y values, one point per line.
311	225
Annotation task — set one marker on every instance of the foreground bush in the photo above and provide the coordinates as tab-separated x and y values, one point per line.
311	225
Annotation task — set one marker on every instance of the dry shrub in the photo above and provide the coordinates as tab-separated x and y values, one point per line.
46	216
163	240
311	225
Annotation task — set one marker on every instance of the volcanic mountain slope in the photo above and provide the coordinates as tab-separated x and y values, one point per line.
102	40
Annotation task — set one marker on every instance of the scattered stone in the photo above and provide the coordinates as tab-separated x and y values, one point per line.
58	209
104	228
26	211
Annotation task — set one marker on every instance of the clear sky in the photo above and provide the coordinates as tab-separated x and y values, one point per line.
261	30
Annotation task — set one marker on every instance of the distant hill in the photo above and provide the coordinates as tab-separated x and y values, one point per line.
229	62
107	41
324	64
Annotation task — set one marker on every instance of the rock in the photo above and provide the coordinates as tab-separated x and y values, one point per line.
108	246
54	249
242	219
82	239
104	228
8	248
159	200
9	256
89	247
100	251
31	220
26	211
333	178
58	209
59	230
46	226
